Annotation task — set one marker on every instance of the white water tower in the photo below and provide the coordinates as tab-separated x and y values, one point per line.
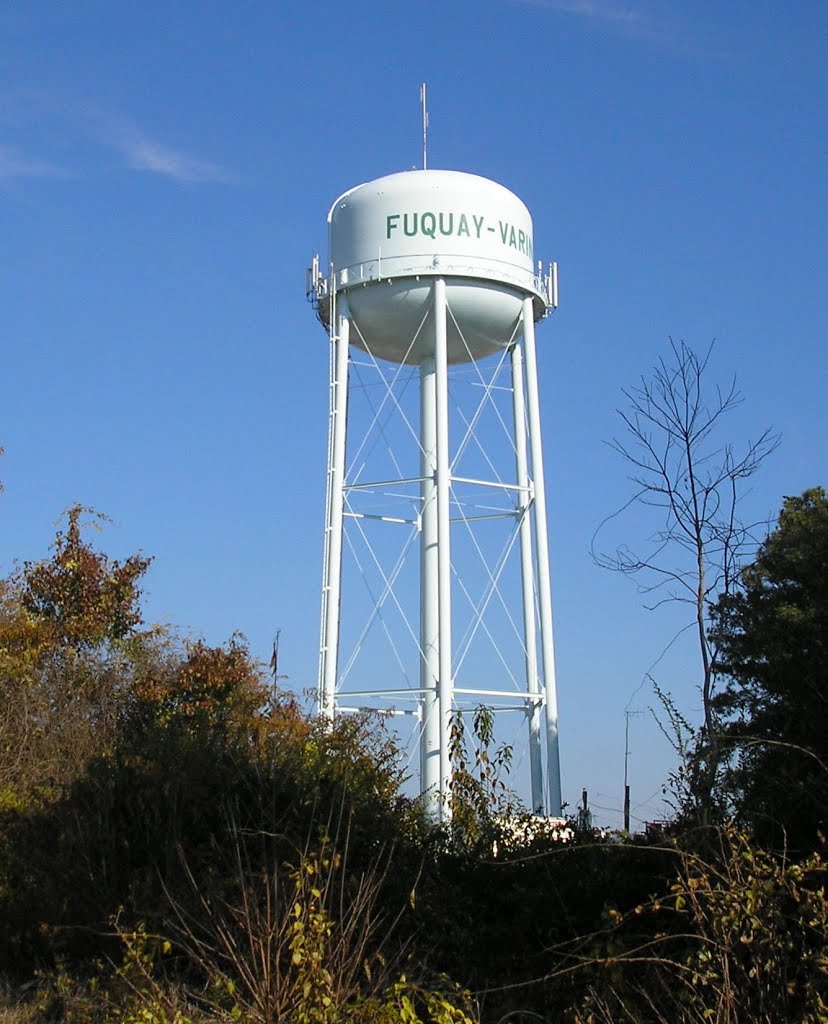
431	294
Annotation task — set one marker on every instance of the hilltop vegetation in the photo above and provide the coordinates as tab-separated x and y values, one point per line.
179	842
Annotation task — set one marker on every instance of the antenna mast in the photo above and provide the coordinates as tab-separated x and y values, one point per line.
425	125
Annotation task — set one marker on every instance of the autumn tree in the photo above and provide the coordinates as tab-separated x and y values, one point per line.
88	597
69	632
130	761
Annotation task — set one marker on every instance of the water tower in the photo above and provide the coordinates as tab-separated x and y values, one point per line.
431	279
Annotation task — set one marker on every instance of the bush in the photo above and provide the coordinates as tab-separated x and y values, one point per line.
741	937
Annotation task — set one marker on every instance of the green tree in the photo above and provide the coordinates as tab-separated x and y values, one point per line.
772	635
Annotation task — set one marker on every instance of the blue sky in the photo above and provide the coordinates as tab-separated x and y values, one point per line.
165	172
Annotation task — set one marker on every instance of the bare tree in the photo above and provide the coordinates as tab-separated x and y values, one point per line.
694	483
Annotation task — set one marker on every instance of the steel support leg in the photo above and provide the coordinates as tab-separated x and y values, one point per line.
553	767
430	784
527	580
445	683
329	641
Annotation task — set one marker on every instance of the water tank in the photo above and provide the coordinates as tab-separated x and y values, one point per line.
389	238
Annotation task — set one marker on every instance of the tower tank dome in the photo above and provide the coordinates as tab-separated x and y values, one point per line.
390	238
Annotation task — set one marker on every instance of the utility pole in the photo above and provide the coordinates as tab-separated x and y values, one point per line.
627	714
584	813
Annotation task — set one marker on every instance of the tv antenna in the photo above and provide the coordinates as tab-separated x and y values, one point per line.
274	659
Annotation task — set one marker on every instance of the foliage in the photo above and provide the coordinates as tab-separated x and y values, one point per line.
740	938
88	597
692	481
686	792
479	793
210	689
259	865
308	943
773	637
69	645
175	790
301	944
120	748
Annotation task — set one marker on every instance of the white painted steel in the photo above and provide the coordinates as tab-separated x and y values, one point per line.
333	542
323	618
432	298
527	579
409	218
553	767
430	778
443	538
486	312
389	238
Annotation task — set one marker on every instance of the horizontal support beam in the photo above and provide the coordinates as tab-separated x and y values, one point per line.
391	712
382	519
485	483
529	698
412	691
512	514
489	387
384	483
522	708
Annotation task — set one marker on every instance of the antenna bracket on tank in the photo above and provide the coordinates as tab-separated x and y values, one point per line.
552	286
318	290
546	285
316	285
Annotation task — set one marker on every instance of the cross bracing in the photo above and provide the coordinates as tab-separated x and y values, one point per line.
390	609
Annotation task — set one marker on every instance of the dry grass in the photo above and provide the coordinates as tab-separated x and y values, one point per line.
16	1006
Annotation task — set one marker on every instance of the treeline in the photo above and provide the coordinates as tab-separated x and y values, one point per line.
180	843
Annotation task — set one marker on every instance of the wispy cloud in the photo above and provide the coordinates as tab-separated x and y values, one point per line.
145	154
141	151
71	125
15	163
597	10
663	23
